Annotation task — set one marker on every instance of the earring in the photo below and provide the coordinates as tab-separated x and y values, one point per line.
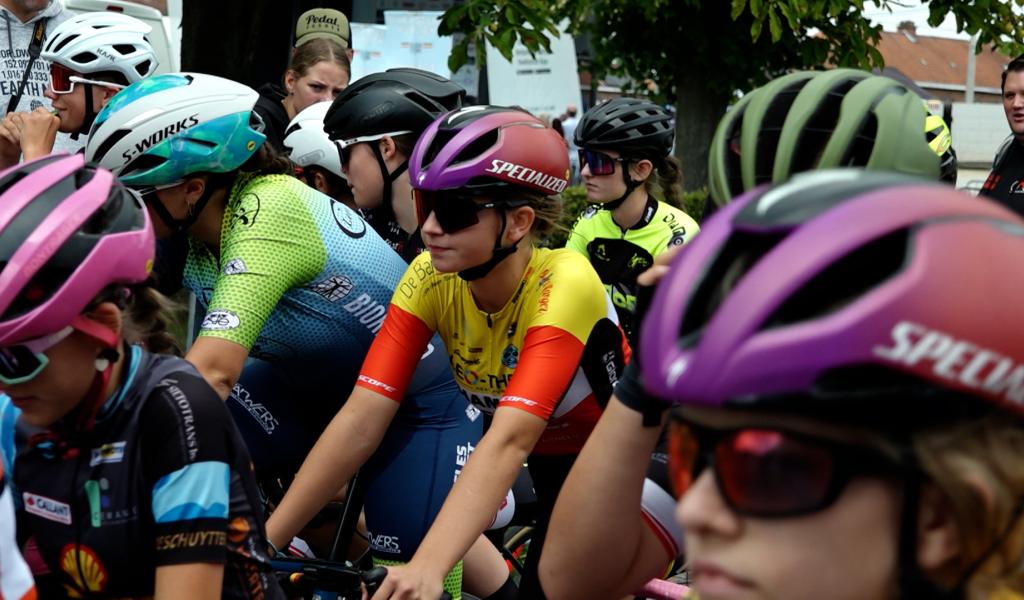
190	209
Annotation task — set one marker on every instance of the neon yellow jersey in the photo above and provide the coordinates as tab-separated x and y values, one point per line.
620	255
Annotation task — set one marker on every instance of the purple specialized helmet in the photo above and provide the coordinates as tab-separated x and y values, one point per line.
841	289
67	231
490	147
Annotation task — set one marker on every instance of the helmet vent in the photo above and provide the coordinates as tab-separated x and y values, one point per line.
37	291
863	143
64	42
113	138
771	130
737	257
124	49
83	57
143	68
815	135
478	147
143	162
845	280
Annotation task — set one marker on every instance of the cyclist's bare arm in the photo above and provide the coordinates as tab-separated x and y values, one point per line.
349	440
486	478
597	544
192	581
219	361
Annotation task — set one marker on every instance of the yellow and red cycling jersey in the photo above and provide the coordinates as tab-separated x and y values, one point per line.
554	350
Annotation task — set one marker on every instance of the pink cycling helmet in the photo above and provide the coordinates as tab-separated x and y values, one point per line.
481	147
845	293
67	232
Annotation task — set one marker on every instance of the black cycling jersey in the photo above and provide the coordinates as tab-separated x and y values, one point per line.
162	479
1005	184
407	245
275	117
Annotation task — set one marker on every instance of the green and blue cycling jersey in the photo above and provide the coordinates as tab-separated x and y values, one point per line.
303	283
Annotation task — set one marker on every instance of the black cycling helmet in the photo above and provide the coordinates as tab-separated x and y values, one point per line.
633	128
811	120
396	102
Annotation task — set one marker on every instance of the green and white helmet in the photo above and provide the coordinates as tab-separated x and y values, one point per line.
816	120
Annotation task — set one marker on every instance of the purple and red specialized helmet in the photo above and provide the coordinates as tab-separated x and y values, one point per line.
490	148
844	291
67	231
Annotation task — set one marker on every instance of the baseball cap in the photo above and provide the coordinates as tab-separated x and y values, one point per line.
323	23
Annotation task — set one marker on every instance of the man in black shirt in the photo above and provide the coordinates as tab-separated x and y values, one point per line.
1005	184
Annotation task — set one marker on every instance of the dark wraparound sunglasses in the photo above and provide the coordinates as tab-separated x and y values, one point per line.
600	163
454	210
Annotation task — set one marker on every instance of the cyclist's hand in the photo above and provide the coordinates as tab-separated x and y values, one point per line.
10	141
407	582
38	132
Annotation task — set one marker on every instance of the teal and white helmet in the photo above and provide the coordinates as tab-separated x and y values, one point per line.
163	128
307	142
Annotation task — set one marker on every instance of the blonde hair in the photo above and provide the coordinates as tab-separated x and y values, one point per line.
318	50
986	451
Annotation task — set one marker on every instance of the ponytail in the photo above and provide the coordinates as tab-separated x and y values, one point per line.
147	320
668	185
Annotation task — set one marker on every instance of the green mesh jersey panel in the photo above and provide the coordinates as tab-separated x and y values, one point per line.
620	255
300	279
452	582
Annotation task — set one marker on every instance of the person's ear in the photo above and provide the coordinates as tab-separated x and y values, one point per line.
290	77
194	188
106	94
320	183
387	147
938	537
518	223
108	315
641	169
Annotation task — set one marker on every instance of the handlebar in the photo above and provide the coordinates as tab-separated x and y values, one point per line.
308	576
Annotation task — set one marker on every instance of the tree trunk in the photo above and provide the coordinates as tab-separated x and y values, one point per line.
698	110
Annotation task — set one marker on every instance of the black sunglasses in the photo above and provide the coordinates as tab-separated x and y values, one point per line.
454	210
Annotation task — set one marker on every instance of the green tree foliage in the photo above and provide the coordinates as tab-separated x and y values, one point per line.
699	53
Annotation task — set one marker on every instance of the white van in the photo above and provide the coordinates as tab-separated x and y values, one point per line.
161	35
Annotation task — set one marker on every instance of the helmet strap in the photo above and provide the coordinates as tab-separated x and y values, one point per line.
90	113
630	186
180	225
389	178
498	254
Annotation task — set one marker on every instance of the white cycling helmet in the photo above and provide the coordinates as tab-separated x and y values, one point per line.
307	142
161	129
102	41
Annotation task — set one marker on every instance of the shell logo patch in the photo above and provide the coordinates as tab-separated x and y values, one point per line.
83	566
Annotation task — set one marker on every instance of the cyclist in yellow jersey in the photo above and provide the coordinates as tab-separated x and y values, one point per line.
625	146
531	338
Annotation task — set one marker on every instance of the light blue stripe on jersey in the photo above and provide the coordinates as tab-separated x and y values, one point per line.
196	491
8	416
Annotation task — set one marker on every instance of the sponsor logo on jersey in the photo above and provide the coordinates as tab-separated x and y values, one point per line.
375	383
519	400
159	136
259	412
107	454
512	171
47	508
590	211
473	413
1017	187
678	238
487	404
368	311
333	288
510	356
220	320
388	544
188	418
247	210
85	569
235	266
348	221
192	539
957	361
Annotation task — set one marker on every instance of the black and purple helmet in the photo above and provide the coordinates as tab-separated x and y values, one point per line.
837	290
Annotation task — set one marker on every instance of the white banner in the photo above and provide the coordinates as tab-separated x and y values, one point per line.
546	84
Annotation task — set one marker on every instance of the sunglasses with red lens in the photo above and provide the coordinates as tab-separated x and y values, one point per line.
60	79
454	210
599	162
770	473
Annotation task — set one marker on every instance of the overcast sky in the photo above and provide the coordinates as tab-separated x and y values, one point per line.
915	12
